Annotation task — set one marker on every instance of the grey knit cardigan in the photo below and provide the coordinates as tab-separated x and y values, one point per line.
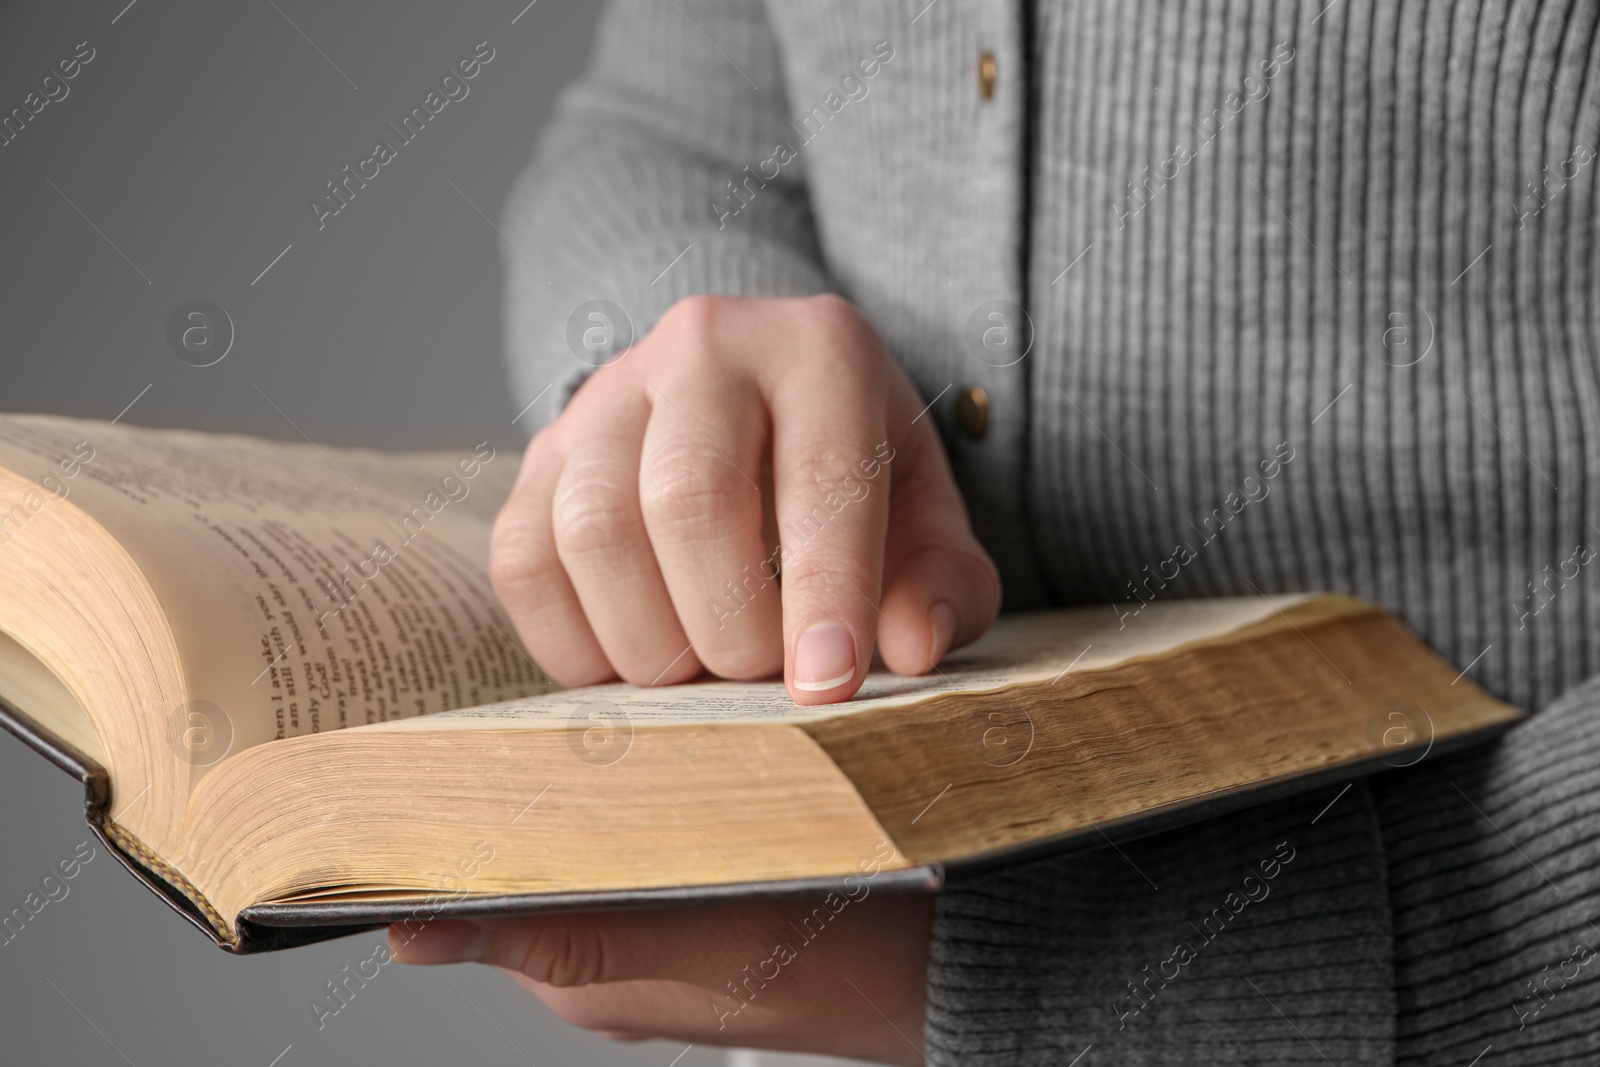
1360	231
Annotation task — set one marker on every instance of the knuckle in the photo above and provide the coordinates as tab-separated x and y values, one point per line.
843	332
563	954
589	395
594	516
831	576
831	308
696	316
518	566
685	487
827	476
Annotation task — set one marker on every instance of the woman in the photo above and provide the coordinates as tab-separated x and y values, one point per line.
1355	236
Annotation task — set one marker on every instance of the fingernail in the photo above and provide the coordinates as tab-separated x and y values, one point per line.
824	657
942	618
441	941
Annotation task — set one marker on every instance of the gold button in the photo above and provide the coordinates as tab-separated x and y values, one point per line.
986	72
972	411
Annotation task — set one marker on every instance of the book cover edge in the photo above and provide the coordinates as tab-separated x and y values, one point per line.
96	812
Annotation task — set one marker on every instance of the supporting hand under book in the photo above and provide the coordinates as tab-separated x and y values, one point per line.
832	976
741	438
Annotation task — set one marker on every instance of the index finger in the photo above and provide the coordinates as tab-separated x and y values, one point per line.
830	453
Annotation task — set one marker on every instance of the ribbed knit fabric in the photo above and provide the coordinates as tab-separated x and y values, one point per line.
1378	256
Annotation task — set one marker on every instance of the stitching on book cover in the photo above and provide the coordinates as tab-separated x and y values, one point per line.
140	851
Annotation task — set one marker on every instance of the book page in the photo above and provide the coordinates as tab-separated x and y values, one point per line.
1019	649
308	588
32	689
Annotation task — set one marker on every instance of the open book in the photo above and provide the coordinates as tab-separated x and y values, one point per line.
298	710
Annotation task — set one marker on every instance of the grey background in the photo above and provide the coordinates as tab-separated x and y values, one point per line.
193	141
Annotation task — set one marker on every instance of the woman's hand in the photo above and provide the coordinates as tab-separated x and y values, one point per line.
642	539
843	977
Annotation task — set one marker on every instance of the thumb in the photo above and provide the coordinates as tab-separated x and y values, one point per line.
681	944
940	589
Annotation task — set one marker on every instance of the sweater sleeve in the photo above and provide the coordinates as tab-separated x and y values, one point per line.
621	202
1419	918
1259	937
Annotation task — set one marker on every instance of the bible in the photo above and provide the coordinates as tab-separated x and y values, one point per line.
298	711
